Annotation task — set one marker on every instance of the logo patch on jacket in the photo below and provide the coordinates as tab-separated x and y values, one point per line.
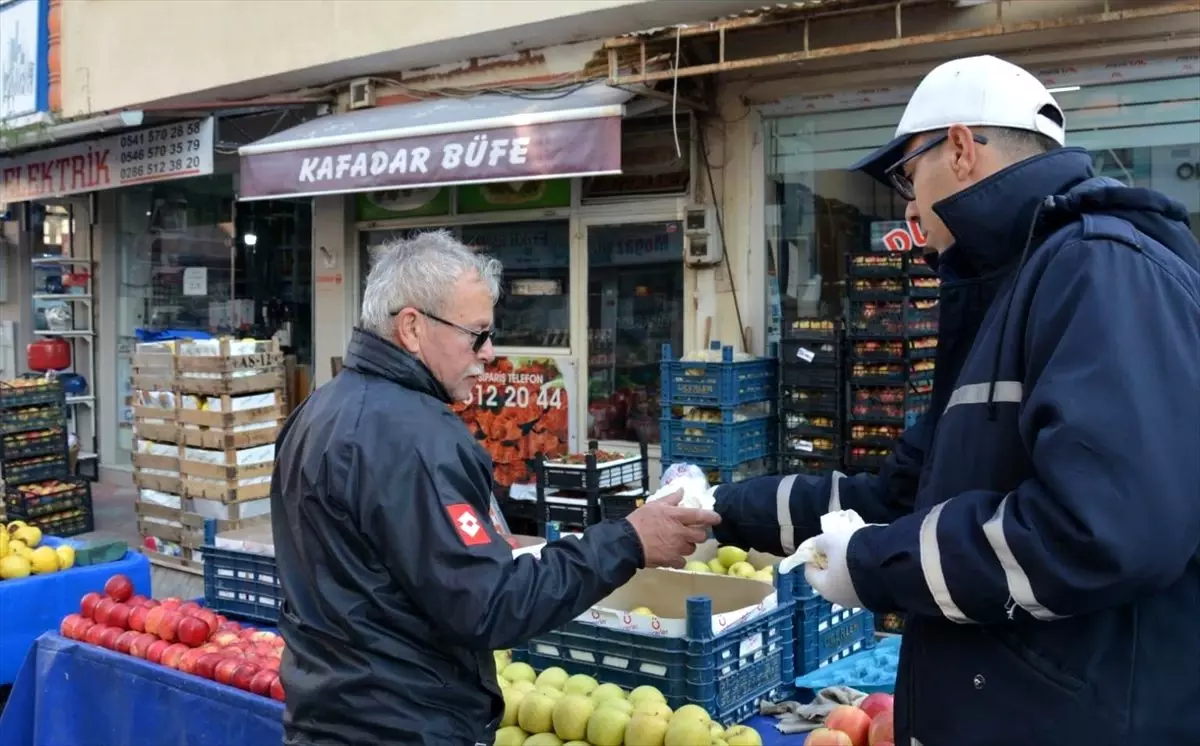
469	528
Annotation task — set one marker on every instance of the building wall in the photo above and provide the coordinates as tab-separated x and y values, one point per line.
242	48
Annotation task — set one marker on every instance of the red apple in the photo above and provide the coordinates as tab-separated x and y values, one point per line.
125	641
247	633
138	600
151	603
103	607
278	642
69	628
154	619
882	729
189	608
92	636
137	618
272	664
827	737
877	703
187	661
118	615
119	588
108	638
171	602
264	650
168	628
208	618
243	675
87	604
261	683
228	626
224	638
262	637
81	629
851	721
223	672
141	644
156	649
277	691
171	656
207	664
192	632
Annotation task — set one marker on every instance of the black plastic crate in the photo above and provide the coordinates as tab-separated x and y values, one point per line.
70	522
25	445
593	473
805	354
922	347
810	375
876	350
874	434
808	399
815	466
808	423
28	392
53	496
36	417
877	288
866	457
877	264
872	373
36	469
810	328
825	446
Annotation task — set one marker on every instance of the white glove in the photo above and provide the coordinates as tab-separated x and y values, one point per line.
833	580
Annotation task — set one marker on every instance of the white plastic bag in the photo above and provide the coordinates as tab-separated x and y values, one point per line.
691	480
806	553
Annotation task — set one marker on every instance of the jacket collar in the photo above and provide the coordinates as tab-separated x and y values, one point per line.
373	355
990	220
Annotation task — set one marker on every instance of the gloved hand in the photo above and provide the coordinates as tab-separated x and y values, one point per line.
832	581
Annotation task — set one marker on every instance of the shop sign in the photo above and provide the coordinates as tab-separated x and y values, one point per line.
897	236
637	243
520	407
537	151
24	65
172	151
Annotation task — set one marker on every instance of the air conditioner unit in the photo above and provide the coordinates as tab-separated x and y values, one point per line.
702	245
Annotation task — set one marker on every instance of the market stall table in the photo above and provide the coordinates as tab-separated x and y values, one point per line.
37	604
102	690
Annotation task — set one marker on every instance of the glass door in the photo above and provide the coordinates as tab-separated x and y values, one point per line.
635	293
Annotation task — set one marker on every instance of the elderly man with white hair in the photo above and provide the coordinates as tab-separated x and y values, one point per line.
396	585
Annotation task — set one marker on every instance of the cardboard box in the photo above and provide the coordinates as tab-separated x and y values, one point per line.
665	592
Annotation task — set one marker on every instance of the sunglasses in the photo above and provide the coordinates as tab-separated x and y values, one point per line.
901	181
478	338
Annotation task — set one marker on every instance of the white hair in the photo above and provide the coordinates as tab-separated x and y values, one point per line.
419	272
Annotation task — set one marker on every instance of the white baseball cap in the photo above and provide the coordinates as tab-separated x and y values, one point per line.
982	91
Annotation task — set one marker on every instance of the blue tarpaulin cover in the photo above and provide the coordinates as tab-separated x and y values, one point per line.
37	604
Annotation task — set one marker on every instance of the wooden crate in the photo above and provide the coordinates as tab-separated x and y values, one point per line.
226	372
221	482
232	511
153	367
194	527
159	432
156	482
225	419
218	439
188	559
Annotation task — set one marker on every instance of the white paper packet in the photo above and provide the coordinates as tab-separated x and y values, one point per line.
806	553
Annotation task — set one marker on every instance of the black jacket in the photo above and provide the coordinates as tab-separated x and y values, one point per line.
396	587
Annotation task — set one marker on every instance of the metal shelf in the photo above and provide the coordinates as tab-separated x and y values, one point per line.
63	296
75	333
61	260
81	400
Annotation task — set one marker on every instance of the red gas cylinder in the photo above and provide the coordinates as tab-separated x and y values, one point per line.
50	353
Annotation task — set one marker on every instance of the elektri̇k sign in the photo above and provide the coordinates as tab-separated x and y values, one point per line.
24	72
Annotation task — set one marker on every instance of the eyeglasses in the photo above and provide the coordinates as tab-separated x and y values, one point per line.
479	338
901	181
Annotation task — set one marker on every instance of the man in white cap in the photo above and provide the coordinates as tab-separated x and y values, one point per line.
1040	525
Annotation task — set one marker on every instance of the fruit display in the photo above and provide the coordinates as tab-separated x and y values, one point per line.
22	553
180	635
869	724
555	708
733	561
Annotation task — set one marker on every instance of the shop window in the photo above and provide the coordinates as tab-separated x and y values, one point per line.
634	306
656	158
534	306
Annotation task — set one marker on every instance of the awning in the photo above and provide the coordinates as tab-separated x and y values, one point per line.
490	137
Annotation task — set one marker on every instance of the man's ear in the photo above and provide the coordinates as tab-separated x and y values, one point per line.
963	151
408	330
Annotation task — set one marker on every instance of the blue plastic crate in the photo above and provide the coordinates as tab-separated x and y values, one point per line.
727	674
240	583
739	472
826	633
716	444
723	384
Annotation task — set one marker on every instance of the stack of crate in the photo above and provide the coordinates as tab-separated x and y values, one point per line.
810	397
892	330
208	449
718	413
38	486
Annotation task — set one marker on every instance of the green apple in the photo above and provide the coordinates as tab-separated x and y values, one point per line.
646	730
580	684
646	693
549	691
742	570
763	576
510	735
607	727
697	566
515	672
642	610
553	677
522	686
689	731
715	565
615	703
607	691
730	556
543	739
743	735
715	730
571	714
536	713
656	709
512	705
691	712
